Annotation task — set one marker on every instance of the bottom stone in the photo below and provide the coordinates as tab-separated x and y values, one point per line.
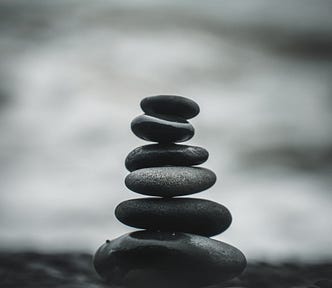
163	259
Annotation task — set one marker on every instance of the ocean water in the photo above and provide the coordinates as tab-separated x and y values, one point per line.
72	74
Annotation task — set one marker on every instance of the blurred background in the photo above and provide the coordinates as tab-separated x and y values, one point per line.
72	74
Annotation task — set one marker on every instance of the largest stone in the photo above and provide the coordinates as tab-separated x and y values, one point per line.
161	259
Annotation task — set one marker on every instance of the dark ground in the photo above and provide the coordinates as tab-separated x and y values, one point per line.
75	270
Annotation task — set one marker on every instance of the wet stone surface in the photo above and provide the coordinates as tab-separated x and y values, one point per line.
161	259
196	216
156	155
170	181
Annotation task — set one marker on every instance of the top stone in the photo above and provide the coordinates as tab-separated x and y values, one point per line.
170	105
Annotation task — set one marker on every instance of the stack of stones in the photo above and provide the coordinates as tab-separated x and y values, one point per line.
174	249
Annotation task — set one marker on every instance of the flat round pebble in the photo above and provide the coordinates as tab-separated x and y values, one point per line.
189	215
170	105
163	130
156	155
170	181
161	259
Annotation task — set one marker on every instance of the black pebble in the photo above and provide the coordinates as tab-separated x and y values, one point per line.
147	259
156	155
162	129
196	216
170	105
170	181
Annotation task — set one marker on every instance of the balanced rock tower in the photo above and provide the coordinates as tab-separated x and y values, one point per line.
174	248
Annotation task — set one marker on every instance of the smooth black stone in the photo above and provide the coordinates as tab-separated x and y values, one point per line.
162	129
156	155
170	181
170	105
189	215
161	259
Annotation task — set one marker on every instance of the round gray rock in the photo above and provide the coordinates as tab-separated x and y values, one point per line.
156	155
163	130
161	259
189	215
170	105
170	181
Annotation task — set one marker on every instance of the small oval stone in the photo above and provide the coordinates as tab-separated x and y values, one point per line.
189	215
146	259
163	130
170	181
156	155
170	105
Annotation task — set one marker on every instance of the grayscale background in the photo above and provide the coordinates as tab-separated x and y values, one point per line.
72	74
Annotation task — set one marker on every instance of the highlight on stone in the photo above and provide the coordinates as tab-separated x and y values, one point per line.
174	249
